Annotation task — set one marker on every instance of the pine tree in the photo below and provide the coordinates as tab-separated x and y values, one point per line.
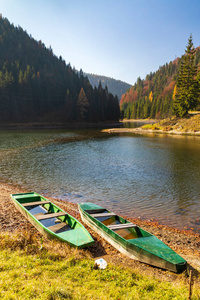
186	97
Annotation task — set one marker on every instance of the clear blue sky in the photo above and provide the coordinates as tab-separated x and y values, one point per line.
123	39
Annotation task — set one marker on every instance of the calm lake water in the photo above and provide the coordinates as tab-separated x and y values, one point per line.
147	176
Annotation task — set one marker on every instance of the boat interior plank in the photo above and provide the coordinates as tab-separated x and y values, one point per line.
49	216
60	227
94	211
122	226
36	203
103	215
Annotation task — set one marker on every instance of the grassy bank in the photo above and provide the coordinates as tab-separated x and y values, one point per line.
33	268
191	124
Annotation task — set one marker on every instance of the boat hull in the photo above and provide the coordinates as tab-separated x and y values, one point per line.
69	230
142	248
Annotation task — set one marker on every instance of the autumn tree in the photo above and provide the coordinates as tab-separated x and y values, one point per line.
82	106
151	96
187	90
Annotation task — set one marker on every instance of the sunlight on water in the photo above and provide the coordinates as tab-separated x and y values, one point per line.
152	177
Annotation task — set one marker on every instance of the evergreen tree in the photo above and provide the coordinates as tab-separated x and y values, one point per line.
187	92
69	108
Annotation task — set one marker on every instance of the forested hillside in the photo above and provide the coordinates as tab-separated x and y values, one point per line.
37	86
153	97
116	87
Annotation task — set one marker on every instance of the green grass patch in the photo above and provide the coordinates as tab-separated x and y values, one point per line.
151	126
41	274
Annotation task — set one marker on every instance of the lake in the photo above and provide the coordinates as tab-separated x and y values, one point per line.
153	177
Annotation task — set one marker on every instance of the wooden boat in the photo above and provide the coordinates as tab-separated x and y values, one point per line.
52	221
130	239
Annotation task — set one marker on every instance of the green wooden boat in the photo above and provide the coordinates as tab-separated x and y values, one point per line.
52	221
130	239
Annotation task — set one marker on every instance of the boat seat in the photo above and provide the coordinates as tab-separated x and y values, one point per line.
95	211
49	216
122	226
103	215
60	227
36	203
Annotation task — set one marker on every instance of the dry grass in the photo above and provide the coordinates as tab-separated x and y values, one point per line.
33	268
34	245
191	124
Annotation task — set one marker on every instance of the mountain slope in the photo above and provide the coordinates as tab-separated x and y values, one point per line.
153	96
116	87
37	86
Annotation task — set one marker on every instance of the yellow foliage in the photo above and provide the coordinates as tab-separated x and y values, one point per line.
174	93
151	96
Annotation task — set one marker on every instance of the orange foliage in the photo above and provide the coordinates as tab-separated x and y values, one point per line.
129	97
135	95
122	99
145	87
175	62
168	89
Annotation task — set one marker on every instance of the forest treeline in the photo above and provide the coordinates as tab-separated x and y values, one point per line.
153	97
37	86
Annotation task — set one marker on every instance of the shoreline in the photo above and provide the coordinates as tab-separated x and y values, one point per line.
57	125
148	121
187	126
139	130
185	243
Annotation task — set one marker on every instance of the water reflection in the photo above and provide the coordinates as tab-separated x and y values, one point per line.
147	176
135	124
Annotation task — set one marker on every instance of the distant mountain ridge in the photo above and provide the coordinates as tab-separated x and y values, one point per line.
116	87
